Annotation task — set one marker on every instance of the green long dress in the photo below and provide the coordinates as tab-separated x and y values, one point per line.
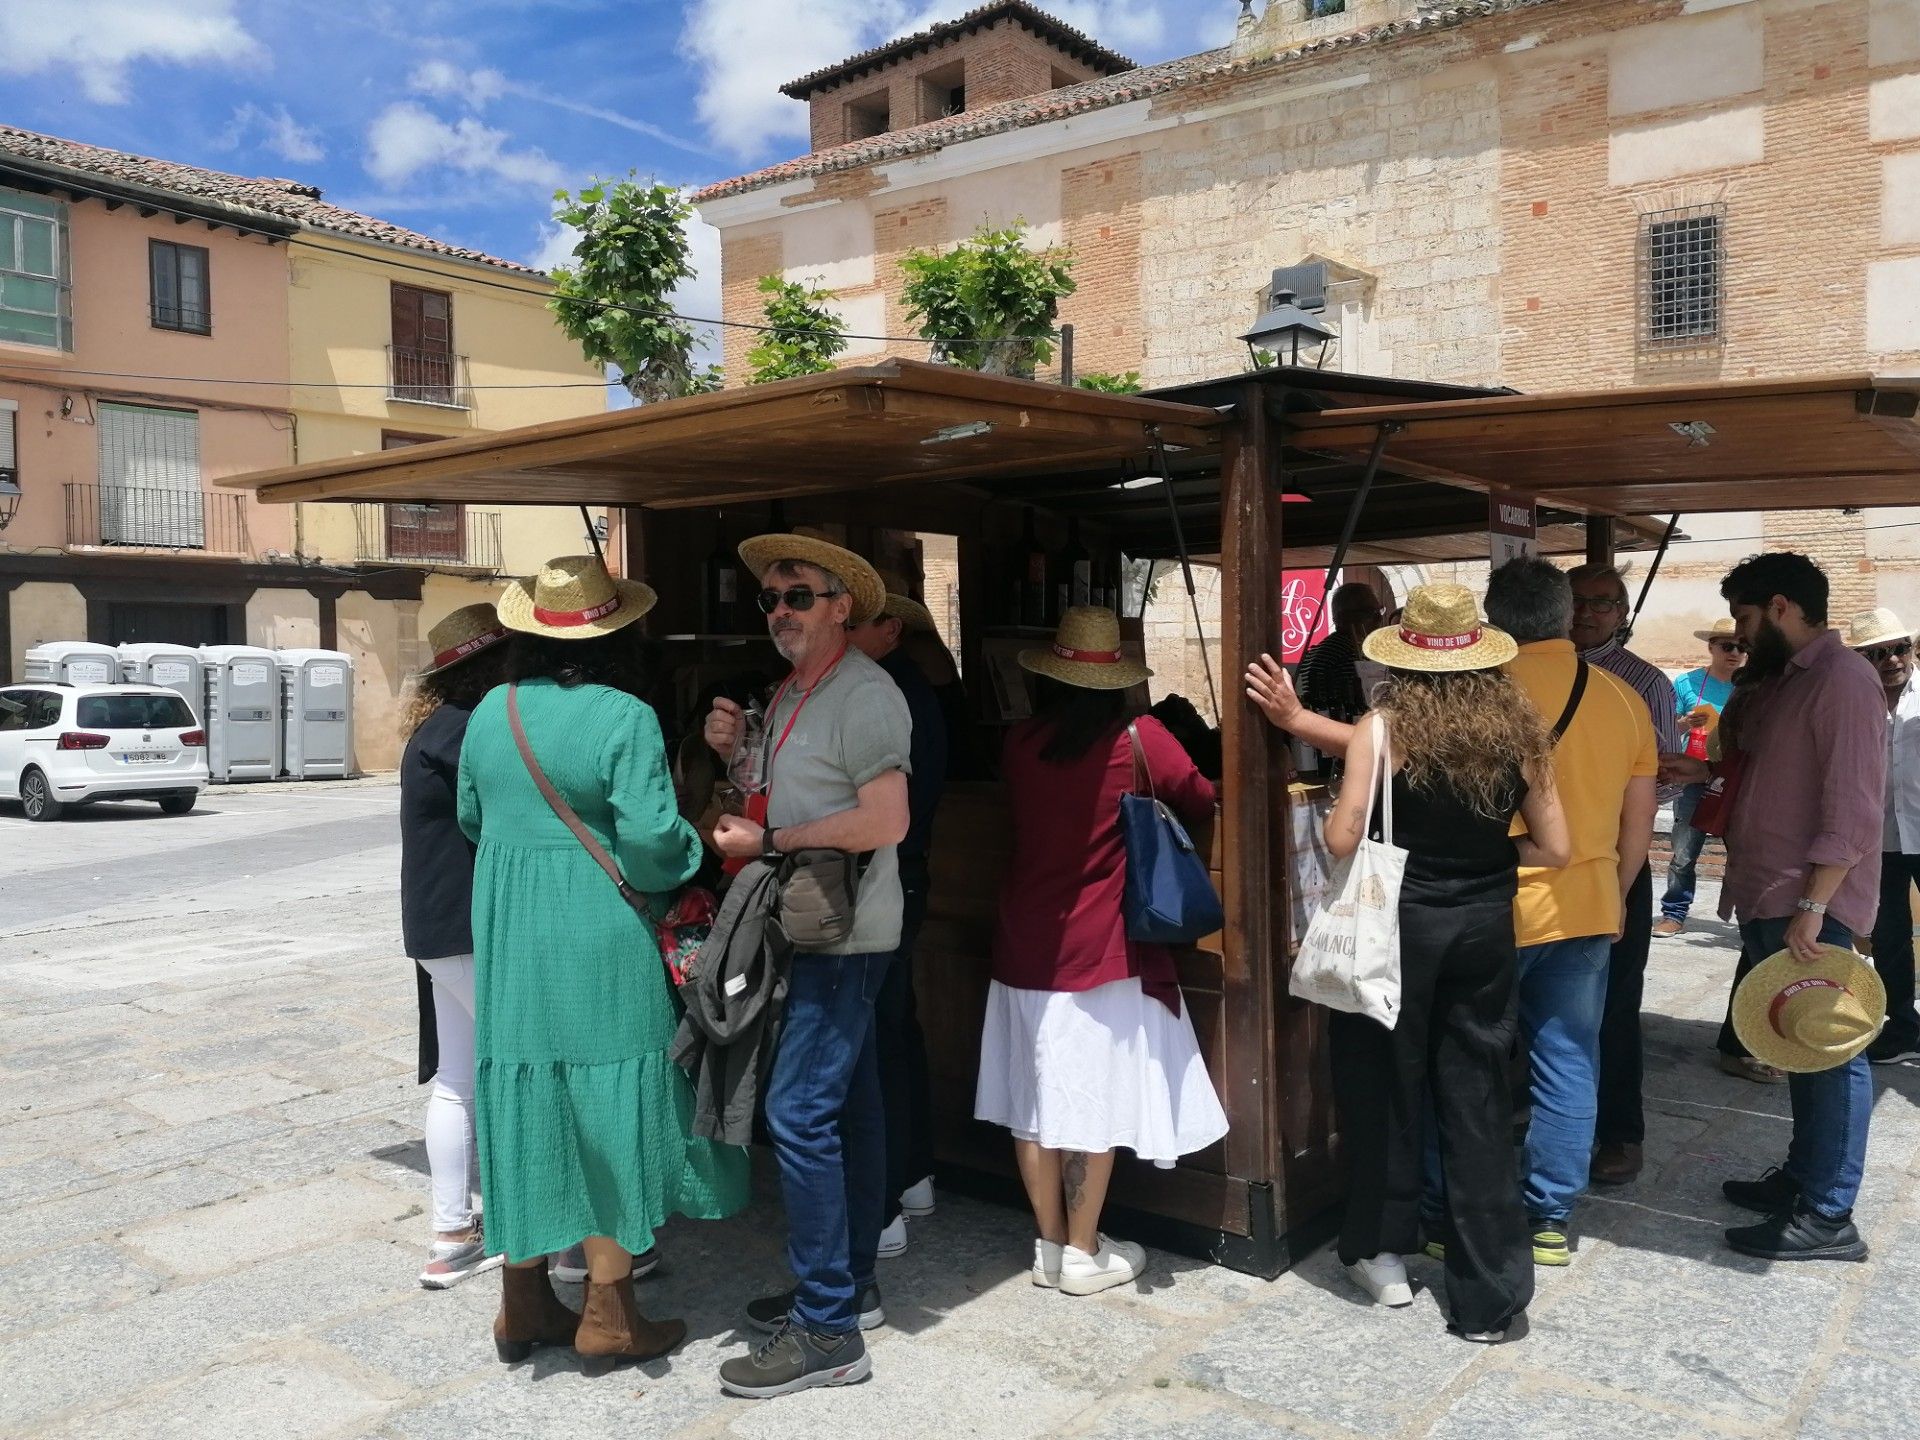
582	1118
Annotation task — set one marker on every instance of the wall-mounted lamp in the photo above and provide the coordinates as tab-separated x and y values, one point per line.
1291	335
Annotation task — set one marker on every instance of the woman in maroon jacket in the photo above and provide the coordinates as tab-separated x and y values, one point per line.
1087	1046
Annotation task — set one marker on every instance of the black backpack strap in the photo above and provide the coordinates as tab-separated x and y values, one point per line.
1581	671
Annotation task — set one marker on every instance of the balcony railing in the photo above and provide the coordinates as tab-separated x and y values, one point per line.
428	377
433	535
156	519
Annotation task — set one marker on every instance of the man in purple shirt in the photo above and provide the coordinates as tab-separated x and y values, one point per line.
1803	870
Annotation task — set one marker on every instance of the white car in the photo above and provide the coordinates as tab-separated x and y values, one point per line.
63	745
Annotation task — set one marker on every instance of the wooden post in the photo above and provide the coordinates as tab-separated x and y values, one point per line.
1066	356
1252	786
1600	540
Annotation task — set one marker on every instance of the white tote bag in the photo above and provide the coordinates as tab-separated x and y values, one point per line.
1350	957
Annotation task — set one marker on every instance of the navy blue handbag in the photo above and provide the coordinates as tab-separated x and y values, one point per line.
1169	898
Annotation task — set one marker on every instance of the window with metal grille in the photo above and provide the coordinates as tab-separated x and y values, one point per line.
150	477
35	307
1682	270
181	292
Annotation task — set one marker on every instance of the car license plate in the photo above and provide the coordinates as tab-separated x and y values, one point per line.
144	757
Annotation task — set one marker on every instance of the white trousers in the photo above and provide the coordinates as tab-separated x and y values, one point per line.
452	1152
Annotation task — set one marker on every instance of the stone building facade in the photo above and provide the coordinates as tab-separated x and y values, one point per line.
1547	194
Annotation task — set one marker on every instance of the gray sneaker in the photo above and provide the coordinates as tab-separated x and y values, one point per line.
769	1313
794	1359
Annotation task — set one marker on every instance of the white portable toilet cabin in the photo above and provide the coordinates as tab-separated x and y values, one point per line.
73	662
172	667
316	690
242	712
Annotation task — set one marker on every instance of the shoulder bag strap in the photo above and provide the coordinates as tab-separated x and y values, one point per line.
588	840
1581	670
1383	775
1142	777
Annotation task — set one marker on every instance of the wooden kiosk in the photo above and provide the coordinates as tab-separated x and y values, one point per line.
1279	469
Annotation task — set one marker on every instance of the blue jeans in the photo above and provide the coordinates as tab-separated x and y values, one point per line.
1828	1153
1687	844
1563	996
829	1133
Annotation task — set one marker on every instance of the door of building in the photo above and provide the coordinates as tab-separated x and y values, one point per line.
143	623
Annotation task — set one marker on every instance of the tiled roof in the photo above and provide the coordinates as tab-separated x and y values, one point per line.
1080	46
286	200
1140	84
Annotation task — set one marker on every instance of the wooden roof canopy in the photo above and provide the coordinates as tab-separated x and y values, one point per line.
1806	444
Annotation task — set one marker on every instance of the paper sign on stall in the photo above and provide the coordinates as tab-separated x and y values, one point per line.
1513	527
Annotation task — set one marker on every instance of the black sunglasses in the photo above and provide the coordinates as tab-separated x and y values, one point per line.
800	597
1901	648
1731	647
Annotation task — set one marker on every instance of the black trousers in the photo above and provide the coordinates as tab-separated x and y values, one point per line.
905	1090
1454	1033
1621	1120
1893	944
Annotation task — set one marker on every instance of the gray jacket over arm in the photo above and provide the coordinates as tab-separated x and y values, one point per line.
733	1000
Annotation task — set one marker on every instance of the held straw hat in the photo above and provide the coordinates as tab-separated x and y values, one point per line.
1804	1018
1876	627
1722	630
903	607
462	635
574	598
1086	653
1441	631
861	579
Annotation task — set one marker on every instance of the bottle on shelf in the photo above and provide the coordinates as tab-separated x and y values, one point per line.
720	586
1033	590
1076	585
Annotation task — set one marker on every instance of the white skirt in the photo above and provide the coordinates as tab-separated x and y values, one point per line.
1094	1069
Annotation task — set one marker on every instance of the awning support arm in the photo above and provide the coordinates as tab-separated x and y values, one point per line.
593	537
1352	522
1186	565
1653	570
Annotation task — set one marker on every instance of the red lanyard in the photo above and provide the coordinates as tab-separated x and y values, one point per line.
759	805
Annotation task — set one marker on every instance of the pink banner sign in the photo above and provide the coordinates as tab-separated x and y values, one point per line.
1302	596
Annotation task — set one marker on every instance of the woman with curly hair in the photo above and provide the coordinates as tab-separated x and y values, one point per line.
436	898
1466	753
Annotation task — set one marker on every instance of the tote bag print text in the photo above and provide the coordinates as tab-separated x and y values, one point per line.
1350	957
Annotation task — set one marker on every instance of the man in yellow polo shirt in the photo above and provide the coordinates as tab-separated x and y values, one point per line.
1565	921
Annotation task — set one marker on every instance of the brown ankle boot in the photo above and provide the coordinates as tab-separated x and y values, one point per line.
530	1314
612	1328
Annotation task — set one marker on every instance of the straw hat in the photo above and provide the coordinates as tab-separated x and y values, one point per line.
462	635
1722	630
574	598
1086	652
861	579
1876	627
903	607
1803	1018
1440	630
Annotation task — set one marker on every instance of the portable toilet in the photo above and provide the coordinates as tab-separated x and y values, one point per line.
316	690
173	667
73	662
242	712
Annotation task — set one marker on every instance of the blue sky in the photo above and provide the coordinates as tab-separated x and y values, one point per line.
460	117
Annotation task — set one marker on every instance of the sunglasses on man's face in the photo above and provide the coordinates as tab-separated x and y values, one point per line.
1880	653
800	597
1606	605
1730	647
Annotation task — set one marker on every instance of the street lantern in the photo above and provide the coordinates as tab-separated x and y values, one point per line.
1288	332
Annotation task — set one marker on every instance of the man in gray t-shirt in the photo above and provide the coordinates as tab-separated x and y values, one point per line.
837	739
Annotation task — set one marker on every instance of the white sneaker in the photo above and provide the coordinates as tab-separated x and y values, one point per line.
569	1267
917	1198
451	1261
1115	1263
893	1239
1384	1277
1046	1264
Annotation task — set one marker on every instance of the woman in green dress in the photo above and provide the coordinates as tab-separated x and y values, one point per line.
583	1119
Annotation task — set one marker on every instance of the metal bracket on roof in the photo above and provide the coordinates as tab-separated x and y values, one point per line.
1386	430
1652	570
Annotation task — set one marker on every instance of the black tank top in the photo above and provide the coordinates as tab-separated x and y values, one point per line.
1454	853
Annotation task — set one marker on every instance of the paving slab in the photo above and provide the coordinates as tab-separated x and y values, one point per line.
255	1227
281	1398
203	1099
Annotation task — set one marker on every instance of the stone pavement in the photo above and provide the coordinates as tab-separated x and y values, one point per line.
212	1191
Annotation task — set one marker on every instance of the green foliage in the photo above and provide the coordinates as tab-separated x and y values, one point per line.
632	252
990	303
806	334
1127	384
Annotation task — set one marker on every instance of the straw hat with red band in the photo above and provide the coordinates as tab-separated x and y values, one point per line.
1086	652
463	635
574	598
1722	630
1440	630
1804	1018
863	582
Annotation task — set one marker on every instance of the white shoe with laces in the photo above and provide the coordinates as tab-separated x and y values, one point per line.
451	1261
1116	1262
1046	1264
917	1199
1384	1277
893	1239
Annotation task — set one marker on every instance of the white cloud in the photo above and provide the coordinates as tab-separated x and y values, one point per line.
100	40
745	50
406	139
446	80
554	247
276	131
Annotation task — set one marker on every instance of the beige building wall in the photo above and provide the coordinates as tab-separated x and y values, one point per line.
42	612
283	620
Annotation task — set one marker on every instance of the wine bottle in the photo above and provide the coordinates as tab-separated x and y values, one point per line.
720	586
1076	565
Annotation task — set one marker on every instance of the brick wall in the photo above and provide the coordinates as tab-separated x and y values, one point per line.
919	226
1100	204
743	260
